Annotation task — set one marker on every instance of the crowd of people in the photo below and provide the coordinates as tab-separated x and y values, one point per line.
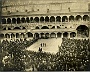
12	54
73	55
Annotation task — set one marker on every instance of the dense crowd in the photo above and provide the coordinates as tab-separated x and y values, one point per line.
12	54
73	55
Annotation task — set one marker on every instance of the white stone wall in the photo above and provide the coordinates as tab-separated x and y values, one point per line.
38	6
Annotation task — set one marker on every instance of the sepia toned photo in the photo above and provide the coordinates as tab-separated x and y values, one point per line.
44	35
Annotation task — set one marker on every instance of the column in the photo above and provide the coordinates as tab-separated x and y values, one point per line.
68	18
26	36
56	35
61	18
68	34
49	35
62	35
6	20
39	19
49	18
10	35
33	34
15	36
76	34
55	19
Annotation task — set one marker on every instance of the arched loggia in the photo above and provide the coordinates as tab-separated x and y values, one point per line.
46	19
16	28
78	18
72	34
64	19
27	20
3	21
44	27
59	34
36	35
30	34
12	35
31	20
22	35
23	20
1	36
42	35
52	19
8	21
47	35
18	20
58	19
71	18
14	20
82	31
17	35
53	35
41	19
86	18
36	19
37	27
65	34
7	36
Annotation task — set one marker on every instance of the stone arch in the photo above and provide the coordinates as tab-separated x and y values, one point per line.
78	18
37	27
30	34
53	35
36	35
18	20
36	19
65	34
3	21
4	28
45	27
23	20
9	28
31	19
72	34
7	36
64	19
58	19
86	18
41	19
17	35
47	35
71	18
42	35
27	20
22	35
8	21
23	28
16	28
12	35
46	19
52	19
59	34
53	27
58	27
1	36
82	31
14	20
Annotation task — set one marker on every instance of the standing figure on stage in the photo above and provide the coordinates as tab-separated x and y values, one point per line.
41	45
45	44
39	49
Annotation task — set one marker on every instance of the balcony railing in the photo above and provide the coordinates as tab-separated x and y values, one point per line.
49	23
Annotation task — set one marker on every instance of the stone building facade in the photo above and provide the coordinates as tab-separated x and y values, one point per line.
45	19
